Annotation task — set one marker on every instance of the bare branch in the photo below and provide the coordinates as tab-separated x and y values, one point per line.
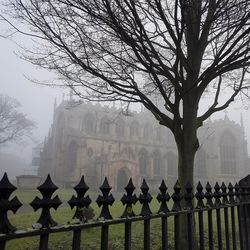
13	124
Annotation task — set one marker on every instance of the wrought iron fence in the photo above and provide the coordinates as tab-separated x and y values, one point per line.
229	205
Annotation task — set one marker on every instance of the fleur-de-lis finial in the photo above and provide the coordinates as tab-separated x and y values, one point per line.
105	200
46	203
6	189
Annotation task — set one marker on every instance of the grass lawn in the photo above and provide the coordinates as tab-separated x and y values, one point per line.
91	237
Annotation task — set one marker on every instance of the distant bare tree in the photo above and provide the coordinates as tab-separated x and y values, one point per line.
13	124
139	50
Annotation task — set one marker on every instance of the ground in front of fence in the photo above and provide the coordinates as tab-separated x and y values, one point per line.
91	237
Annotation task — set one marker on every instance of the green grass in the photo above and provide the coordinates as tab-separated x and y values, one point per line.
91	237
26	196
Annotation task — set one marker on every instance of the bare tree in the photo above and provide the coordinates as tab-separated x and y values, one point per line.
139	50
13	124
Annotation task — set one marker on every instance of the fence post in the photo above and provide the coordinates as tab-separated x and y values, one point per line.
244	213
76	242
200	206
225	201
217	204
145	198
176	197
188	197
209	206
2	245
80	202
44	242
105	201
128	199
232	201
163	198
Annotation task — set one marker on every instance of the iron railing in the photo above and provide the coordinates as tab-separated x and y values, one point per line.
222	214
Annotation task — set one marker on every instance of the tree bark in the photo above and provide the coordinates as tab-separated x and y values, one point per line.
187	145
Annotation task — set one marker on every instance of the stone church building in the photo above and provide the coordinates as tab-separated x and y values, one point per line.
97	141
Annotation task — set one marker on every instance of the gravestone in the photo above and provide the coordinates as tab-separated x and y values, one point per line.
28	181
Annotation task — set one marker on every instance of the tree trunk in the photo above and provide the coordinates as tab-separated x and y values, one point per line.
187	145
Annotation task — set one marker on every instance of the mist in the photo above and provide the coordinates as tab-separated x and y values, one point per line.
38	101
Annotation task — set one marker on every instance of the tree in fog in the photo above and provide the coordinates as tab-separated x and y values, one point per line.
14	125
177	52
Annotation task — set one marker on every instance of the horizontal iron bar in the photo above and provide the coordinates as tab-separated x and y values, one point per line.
100	223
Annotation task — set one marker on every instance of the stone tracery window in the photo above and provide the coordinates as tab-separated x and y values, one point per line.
200	163
172	164
143	161
120	127
157	162
89	123
147	131
104	126
159	134
228	151
72	156
134	129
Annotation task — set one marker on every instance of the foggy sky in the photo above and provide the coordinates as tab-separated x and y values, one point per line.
37	101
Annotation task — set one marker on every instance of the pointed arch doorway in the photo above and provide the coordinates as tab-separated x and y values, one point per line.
122	179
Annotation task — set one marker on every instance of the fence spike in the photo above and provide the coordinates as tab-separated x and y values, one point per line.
237	192
176	197
145	198
163	198
6	189
129	199
217	195
81	188
231	193
80	202
188	197
105	200
199	196
224	194
46	203
209	196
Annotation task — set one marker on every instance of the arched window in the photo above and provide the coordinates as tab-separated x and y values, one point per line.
104	126
143	161
89	123
147	131
200	163
120	127
157	162
72	156
158	134
172	164
228	153
134	129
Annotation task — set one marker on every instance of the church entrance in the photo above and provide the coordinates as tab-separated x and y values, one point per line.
122	180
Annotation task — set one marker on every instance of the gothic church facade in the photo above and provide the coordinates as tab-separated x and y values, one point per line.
97	141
